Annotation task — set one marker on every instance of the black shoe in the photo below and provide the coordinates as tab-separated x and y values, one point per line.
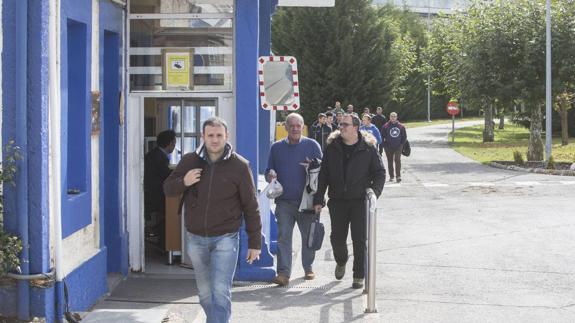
391	179
339	271
398	179
357	283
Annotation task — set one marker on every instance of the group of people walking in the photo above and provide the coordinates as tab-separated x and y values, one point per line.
350	163
217	189
391	135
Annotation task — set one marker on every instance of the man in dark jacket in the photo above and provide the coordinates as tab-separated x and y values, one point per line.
156	170
379	120
320	130
394	137
218	190
351	164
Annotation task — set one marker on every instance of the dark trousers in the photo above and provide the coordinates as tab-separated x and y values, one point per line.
344	213
394	155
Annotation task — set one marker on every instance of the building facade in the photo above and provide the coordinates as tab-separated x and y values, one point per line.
424	7
85	89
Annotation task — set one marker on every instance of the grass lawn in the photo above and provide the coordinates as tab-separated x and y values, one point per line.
417	124
469	142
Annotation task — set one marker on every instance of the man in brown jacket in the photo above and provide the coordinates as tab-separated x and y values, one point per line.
218	188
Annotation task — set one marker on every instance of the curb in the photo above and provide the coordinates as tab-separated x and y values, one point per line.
563	172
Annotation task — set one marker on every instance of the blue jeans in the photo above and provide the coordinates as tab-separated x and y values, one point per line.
214	260
287	214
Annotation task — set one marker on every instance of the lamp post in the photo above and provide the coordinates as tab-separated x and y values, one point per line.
548	130
428	74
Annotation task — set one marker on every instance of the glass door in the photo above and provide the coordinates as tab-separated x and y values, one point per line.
185	117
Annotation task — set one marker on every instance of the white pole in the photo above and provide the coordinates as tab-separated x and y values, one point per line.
548	130
371	222
54	132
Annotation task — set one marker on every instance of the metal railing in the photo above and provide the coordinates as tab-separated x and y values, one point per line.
371	224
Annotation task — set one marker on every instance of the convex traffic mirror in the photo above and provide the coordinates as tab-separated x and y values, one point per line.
278	82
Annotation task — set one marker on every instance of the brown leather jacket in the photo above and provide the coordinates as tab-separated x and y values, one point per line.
215	204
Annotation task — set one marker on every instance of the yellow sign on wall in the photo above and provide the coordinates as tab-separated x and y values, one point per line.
177	69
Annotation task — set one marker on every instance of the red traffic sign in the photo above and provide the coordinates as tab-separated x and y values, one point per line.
453	108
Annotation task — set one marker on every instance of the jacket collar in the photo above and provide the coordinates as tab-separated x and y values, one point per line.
365	139
203	152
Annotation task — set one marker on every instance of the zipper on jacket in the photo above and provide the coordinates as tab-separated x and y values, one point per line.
208	201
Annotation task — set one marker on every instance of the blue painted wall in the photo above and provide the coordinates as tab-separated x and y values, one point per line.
87	283
247	14
36	154
264	50
42	300
113	234
76	22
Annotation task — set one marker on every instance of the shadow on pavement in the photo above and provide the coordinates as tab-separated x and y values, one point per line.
302	298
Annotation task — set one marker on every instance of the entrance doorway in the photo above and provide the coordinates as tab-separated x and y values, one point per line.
184	116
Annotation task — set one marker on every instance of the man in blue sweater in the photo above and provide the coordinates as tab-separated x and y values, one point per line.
369	127
287	159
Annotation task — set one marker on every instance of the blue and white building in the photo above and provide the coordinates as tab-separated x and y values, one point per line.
83	94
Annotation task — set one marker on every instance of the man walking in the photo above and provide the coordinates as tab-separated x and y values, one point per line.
394	137
288	158
369	127
217	187
156	170
320	129
351	164
379	120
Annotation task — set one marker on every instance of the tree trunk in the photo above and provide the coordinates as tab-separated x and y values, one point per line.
564	127
488	135
501	119
536	149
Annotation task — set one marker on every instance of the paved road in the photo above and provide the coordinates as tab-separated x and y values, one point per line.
457	242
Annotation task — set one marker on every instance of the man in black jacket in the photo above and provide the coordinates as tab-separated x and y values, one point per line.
379	120
320	130
156	170
351	164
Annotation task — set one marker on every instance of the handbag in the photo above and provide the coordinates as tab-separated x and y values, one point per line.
315	235
406	151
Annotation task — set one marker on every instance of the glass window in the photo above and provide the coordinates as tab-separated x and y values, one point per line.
189	119
184	116
181	6
209	39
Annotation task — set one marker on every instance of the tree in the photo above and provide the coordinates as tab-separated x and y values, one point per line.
563	44
352	53
563	103
345	53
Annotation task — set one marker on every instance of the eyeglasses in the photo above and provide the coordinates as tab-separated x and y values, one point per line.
344	124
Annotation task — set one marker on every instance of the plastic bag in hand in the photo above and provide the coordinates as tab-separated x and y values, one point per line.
274	189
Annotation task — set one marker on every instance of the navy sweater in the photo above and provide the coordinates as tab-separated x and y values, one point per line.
285	159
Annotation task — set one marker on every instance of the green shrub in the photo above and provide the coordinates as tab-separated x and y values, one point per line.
10	246
518	157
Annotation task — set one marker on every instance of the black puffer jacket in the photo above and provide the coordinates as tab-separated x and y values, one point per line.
364	170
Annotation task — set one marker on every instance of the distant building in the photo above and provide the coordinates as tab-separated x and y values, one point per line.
424	7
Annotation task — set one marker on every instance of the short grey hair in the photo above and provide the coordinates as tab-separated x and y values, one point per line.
294	115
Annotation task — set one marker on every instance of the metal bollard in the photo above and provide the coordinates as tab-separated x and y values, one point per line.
371	223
